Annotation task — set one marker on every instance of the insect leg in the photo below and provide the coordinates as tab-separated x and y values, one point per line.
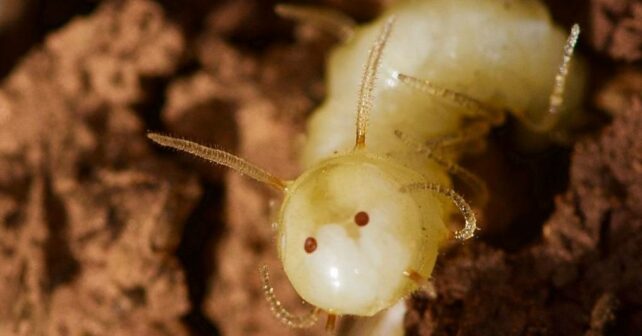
221	157
423	283
335	22
474	107
473	131
471	222
330	323
287	318
480	191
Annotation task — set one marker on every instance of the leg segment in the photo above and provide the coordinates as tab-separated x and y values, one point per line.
469	133
474	107
330	323
471	180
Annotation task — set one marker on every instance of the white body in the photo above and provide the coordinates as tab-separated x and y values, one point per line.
503	53
361	227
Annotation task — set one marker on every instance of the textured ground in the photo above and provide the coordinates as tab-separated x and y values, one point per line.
102	233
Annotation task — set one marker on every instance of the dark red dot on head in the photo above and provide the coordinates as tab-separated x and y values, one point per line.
361	218
310	245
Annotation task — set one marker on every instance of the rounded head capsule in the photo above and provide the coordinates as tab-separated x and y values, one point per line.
347	233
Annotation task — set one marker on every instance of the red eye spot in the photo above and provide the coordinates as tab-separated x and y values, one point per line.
310	245
361	218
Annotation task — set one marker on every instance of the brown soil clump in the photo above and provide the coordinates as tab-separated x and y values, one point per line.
89	221
583	275
617	28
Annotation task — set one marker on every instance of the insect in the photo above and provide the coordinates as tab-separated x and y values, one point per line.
360	228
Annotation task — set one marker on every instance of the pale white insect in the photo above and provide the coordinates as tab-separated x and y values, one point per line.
361	227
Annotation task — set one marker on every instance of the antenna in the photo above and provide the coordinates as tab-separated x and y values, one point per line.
364	106
220	157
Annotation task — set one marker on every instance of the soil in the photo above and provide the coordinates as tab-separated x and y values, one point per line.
104	233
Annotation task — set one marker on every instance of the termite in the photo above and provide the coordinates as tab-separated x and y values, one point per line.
360	228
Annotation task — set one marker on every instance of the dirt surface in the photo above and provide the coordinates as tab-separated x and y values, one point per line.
617	28
103	233
581	276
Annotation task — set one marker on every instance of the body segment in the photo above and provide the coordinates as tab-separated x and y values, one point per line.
505	54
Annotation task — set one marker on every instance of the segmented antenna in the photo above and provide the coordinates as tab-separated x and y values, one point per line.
364	105
556	98
335	22
287	318
471	222
220	157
